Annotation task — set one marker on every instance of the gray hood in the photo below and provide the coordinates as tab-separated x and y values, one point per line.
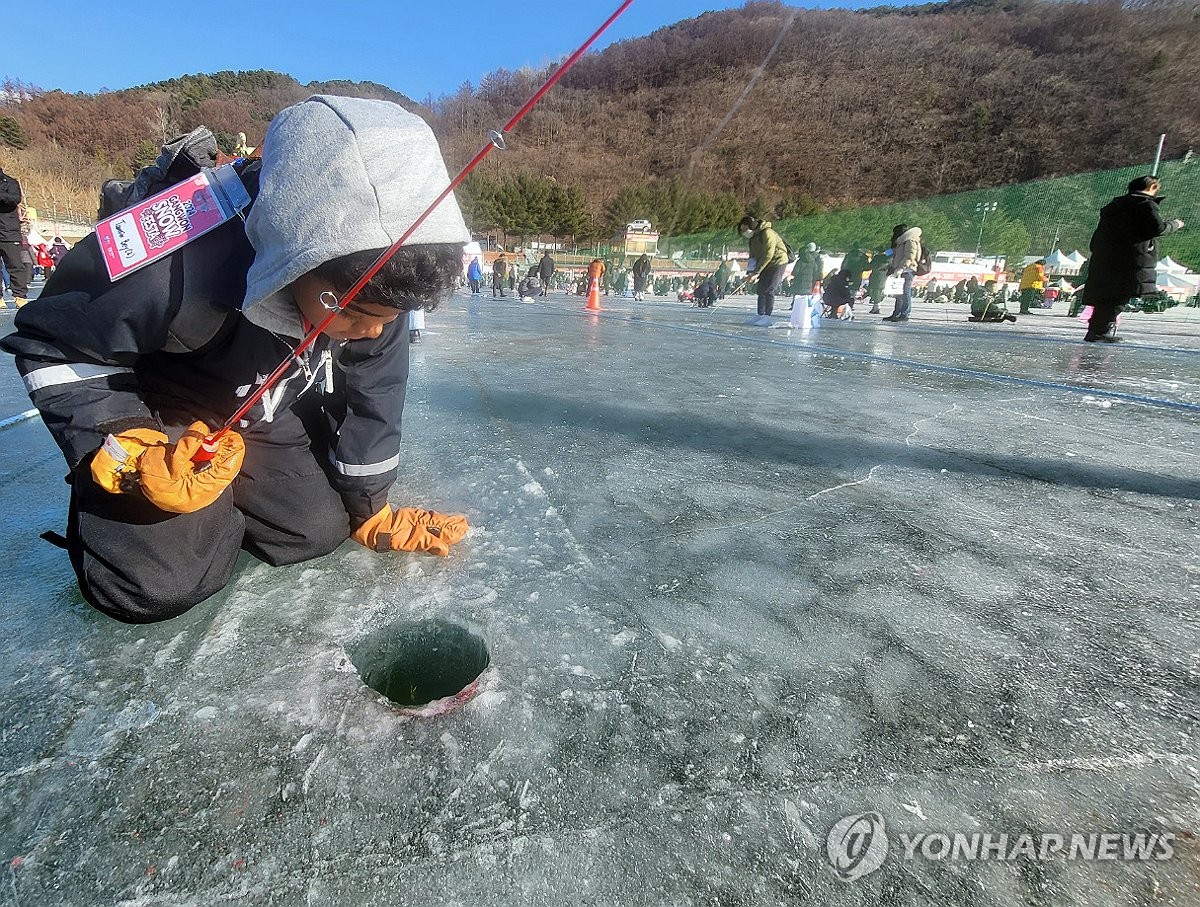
342	175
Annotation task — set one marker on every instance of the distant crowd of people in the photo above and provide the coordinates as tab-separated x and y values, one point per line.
1122	268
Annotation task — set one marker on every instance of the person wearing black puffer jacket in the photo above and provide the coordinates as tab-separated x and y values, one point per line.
10	238
131	374
1124	255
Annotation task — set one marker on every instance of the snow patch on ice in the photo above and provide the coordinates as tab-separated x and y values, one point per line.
798	829
163	655
488	699
309	576
312	770
475	594
221	637
668	642
624	638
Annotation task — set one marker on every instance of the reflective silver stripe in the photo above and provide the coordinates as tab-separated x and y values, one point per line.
366	469
54	375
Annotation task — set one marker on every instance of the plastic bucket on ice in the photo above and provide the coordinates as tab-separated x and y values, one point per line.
806	311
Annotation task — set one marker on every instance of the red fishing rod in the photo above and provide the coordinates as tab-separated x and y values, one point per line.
495	140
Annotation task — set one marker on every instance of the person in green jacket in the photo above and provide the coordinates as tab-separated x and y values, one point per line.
807	272
856	263
769	258
877	282
721	279
987	305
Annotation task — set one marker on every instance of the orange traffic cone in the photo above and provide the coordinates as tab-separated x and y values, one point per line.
593	303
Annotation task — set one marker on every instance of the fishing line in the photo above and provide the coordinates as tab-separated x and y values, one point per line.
755	77
496	139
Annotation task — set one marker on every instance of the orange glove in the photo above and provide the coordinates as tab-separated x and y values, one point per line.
115	466
169	479
409	529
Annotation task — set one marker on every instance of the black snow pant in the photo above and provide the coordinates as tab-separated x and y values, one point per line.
139	564
768	285
1104	311
19	271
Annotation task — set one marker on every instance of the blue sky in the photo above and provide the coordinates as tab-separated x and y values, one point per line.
418	47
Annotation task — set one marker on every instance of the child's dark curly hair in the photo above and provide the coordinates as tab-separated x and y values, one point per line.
416	277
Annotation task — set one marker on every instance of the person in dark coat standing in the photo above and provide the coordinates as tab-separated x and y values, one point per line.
1124	255
721	279
641	277
20	271
499	275
546	271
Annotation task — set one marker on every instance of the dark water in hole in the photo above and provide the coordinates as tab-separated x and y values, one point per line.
415	662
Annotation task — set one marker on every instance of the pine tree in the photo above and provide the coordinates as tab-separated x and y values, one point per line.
11	133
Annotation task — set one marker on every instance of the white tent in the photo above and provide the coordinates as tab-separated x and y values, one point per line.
36	239
1167	279
1055	260
1171	266
1077	258
1178	286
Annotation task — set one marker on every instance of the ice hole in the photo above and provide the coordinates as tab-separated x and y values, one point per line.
414	663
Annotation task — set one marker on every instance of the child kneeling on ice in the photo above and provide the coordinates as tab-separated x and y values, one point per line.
129	375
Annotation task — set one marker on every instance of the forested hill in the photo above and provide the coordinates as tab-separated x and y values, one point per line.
863	106
797	109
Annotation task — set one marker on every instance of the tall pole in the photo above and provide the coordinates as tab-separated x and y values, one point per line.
983	208
1158	154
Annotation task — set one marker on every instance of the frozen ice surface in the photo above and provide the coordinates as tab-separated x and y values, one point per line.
737	584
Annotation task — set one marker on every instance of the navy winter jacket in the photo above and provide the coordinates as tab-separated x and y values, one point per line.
167	344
